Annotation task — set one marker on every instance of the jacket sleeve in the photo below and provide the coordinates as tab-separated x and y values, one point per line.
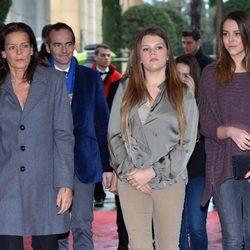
63	135
117	150
175	162
101	123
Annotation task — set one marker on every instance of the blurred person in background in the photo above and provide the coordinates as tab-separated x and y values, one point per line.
193	228
111	79
191	42
43	53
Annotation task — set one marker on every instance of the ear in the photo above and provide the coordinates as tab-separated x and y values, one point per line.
47	47
3	54
199	41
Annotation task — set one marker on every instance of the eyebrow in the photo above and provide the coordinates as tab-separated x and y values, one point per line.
233	30
16	43
160	43
63	43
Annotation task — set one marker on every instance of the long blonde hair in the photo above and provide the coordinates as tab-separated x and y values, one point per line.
136	89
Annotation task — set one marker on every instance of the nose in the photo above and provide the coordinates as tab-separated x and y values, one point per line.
152	51
18	50
64	48
231	37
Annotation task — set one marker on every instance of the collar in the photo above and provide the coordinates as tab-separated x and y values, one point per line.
105	71
65	70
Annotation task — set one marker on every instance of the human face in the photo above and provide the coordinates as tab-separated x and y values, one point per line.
190	46
153	53
61	47
17	51
103	58
183	71
232	41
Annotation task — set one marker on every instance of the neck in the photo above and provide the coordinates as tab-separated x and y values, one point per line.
17	75
101	68
62	67
154	79
238	64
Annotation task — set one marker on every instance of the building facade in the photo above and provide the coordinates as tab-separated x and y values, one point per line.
84	16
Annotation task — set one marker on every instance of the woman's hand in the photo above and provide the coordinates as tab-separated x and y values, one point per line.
64	199
140	177
240	137
146	189
189	81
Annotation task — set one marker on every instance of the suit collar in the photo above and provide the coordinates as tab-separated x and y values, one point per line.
36	92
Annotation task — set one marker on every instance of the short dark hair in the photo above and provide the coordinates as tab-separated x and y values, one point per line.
101	46
193	32
2	25
45	30
60	26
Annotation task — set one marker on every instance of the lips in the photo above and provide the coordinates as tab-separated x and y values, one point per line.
153	60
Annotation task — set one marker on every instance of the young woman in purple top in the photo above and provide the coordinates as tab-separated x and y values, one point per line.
225	122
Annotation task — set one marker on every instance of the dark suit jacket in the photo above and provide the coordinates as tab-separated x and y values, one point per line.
90	117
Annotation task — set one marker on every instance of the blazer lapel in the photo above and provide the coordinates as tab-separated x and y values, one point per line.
36	93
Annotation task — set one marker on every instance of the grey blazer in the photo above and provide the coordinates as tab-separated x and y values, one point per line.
156	142
36	155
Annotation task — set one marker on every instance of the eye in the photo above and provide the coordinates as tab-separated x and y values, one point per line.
224	33
25	46
57	45
160	47
69	44
145	49
237	33
11	47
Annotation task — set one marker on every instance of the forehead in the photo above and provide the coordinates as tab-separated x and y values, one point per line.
151	39
104	51
183	68
62	35
17	37
230	24
188	39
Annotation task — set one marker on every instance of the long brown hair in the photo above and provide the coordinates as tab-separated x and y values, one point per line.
225	67
136	89
34	61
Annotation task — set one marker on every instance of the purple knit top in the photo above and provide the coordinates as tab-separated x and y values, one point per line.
222	106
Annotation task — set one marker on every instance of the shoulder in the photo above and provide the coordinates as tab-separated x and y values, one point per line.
208	83
47	74
209	70
86	71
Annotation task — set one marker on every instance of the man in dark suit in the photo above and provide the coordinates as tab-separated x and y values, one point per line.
191	42
111	78
90	117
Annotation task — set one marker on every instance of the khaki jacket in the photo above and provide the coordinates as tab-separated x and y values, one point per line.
156	142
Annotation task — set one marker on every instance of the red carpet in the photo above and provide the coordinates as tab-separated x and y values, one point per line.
105	235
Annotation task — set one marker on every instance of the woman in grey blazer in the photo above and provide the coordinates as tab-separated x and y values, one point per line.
36	145
152	133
